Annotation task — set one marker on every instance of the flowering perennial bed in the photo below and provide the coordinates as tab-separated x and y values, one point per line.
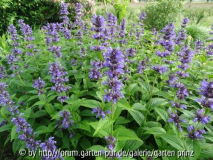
96	86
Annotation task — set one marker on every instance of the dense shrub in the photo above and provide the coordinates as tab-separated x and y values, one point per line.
98	87
161	13
33	12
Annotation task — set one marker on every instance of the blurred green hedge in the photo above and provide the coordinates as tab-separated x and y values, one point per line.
34	12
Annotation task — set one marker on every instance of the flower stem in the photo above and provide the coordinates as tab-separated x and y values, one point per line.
21	80
112	113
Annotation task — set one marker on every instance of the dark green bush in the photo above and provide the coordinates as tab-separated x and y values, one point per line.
33	12
161	13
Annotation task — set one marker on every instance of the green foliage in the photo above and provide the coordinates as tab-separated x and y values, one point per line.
33	12
138	120
197	33
197	15
161	13
120	7
5	3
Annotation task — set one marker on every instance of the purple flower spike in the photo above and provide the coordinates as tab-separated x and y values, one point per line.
78	9
5	99
111	20
58	78
160	69
100	112
64	12
206	102
13	34
39	84
176	119
49	146
163	54
195	134
27	133
206	89
110	142
56	51
199	116
185	21
66	122
178	105
123	28
98	22
142	16
182	92
2	72
142	65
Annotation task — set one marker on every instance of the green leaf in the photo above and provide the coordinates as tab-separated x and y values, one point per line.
33	91
123	134
69	158
50	109
145	86
32	98
38	114
138	106
50	93
134	111
132	145
188	114
173	140
79	75
162	113
49	99
163	94
155	131
138	116
39	103
23	98
124	104
196	149
90	103
96	148
209	138
16	145
206	150
99	95
27	112
150	124
100	158
101	124
75	105
155	102
87	112
84	125
133	88
85	143
117	112
121	120
6	127
13	133
43	129
66	141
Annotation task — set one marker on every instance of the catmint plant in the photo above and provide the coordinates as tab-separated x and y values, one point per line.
58	78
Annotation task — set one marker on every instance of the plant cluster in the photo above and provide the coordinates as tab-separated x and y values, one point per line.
36	13
97	86
161	13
